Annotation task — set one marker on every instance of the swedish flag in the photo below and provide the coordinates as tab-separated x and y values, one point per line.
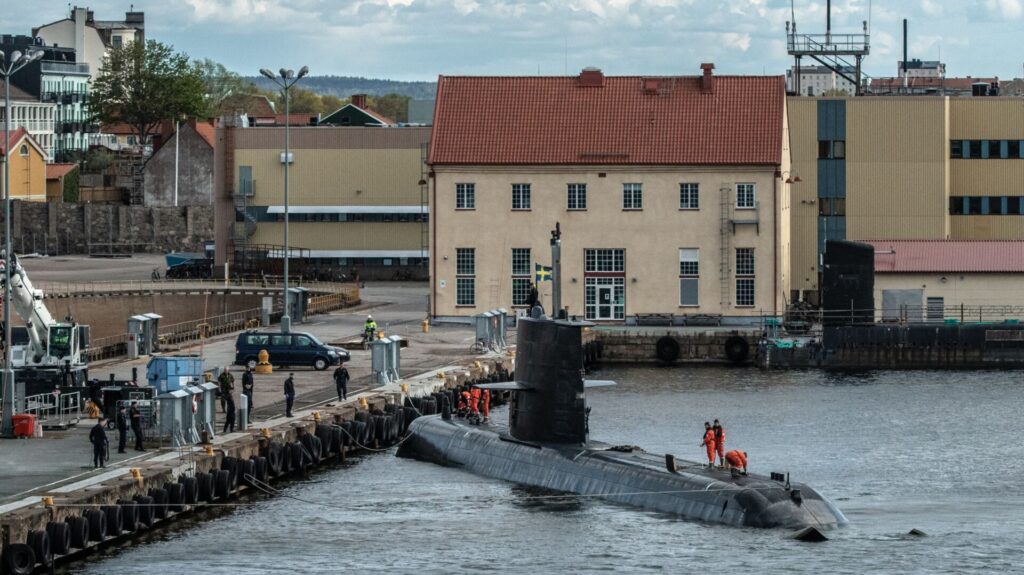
543	273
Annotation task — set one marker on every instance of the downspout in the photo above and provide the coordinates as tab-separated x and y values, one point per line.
777	240
433	243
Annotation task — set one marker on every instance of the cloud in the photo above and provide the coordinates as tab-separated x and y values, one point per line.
734	40
1009	9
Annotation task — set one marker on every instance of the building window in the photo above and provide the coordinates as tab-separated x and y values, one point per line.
632	197
956	149
577	196
975	148
521	276
995	149
839	149
831	206
689	196
116	41
1013	149
744	277
689	276
745	196
831	149
465	276
23	150
605	261
520	196
465	196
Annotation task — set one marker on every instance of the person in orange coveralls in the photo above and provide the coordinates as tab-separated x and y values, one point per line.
737	459
487	406
719	441
709	442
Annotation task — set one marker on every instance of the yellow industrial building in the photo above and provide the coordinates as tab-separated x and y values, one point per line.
28	167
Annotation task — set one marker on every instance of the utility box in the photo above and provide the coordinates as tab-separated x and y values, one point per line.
298	301
138	336
395	356
176	420
501	336
170	372
206	412
153	331
380	360
483	327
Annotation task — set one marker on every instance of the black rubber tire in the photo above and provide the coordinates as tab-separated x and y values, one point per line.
114	525
79	531
380	429
313	448
189	491
248	472
145	505
97	520
737	349
175	497
262	468
666	349
129	515
60	537
275	459
160	497
205	482
326	436
231	464
318	451
286	458
222	484
295	458
321	363
19	559
39	541
337	439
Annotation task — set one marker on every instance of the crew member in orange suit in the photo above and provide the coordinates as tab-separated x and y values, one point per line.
487	405
737	459
474	400
709	442
719	441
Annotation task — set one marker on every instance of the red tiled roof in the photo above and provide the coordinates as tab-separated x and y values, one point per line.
58	171
119	129
948	256
556	120
13	140
207	133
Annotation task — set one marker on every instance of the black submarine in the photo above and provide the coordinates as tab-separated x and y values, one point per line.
546	445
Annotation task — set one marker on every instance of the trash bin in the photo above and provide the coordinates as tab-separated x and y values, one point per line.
24	424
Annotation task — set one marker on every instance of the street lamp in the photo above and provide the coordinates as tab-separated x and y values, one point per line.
8	66
286	81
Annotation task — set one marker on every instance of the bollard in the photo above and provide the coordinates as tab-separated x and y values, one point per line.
243	412
263	367
426	326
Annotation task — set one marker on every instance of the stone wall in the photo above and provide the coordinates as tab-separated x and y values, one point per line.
695	346
57	228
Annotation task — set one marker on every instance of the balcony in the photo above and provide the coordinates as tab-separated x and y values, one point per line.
65	68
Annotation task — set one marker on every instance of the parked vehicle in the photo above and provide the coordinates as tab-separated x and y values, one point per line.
287	349
199	268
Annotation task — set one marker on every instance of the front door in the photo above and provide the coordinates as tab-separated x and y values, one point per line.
605	302
605	298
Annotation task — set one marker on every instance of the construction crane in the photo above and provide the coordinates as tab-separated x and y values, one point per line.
53	353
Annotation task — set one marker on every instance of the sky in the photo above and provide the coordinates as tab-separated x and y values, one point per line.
419	39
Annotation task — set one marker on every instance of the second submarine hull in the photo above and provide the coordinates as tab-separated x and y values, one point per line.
630	477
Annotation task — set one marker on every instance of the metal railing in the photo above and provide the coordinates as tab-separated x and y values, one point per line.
197	329
331	302
911	315
54	289
55	410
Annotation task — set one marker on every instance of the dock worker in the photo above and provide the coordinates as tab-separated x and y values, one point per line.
136	418
248	386
709	442
719	441
122	429
341	378
98	438
370	327
737	460
226	381
289	394
464	403
487	406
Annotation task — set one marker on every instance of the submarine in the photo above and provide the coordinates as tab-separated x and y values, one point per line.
546	444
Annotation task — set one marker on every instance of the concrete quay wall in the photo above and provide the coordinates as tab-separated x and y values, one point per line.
33	513
652	345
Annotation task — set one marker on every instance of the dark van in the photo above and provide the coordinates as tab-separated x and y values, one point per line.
286	349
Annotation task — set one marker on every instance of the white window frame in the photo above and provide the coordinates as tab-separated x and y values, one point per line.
746	277
521	276
689	196
465	196
577	192
632	196
521	200
465	276
746	196
689	273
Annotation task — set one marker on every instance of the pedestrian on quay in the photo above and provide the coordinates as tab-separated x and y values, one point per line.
709	443
719	441
226	381
341	378
289	394
136	416
247	387
122	429
229	416
98	438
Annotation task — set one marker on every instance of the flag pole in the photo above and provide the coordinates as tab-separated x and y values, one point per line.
556	271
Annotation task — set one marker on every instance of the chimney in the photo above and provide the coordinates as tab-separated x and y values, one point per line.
707	81
591	77
359	101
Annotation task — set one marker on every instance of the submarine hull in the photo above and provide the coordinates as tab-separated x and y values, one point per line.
632	477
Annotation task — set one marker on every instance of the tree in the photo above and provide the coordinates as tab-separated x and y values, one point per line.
220	83
394	106
143	84
330	103
70	190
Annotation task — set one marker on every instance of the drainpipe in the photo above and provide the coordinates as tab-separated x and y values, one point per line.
433	242
777	240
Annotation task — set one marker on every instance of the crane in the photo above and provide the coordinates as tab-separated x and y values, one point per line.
52	349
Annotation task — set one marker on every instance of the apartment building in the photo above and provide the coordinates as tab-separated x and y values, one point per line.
27	112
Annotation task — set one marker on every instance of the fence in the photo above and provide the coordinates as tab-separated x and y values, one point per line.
915	314
176	333
64	289
331	302
55	410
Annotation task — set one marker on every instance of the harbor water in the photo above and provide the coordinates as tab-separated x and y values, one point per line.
936	451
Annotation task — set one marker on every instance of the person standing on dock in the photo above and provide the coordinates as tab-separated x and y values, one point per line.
248	385
289	394
229	417
136	416
341	378
709	442
98	438
122	429
719	441
227	387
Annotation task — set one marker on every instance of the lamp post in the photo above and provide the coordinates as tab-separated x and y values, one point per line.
8	66
286	81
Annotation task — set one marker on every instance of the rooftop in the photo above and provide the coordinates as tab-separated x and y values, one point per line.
16	93
593	119
948	256
57	171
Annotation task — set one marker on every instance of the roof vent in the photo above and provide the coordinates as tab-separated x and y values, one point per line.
651	85
591	77
707	81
